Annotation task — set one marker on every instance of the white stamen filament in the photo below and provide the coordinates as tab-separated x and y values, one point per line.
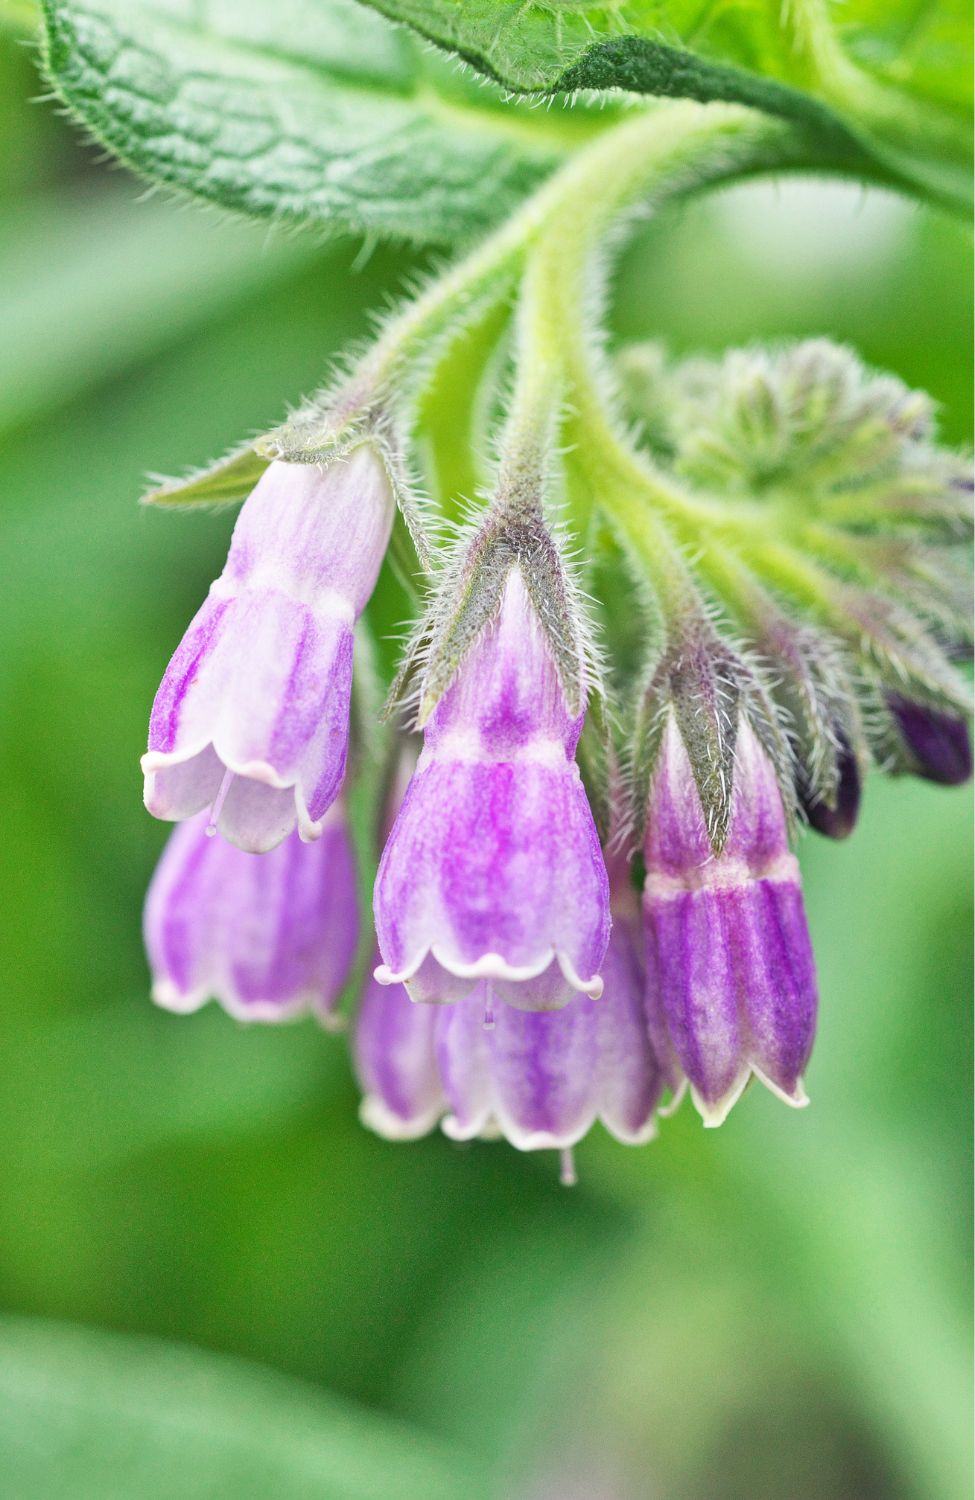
488	1022
218	802
567	1167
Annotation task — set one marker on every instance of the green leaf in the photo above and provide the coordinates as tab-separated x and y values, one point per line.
87	1415
898	78
228	481
305	111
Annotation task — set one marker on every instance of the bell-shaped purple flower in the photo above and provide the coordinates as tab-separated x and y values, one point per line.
731	984
540	1079
252	715
266	935
493	869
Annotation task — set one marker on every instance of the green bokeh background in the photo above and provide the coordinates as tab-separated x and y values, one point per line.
215	1282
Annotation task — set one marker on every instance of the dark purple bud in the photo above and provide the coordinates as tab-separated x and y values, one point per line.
836	819
939	743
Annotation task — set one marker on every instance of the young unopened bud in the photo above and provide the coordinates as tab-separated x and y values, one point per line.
252	716
266	935
836	816
731	986
938	744
493	869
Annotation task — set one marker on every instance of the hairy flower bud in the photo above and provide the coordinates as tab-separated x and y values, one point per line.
493	869
938	744
252	715
731	986
266	935
836	817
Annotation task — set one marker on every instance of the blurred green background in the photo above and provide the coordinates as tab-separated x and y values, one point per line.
214	1282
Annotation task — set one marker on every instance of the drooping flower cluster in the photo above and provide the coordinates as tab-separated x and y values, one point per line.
534	973
254	901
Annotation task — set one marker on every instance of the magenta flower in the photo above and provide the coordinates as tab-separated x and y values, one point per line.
493	869
252	715
731	984
266	935
539	1079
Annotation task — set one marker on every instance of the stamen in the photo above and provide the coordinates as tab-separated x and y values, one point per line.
488	1022
567	1167
218	802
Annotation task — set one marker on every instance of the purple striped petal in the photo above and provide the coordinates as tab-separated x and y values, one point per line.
494	871
265	935
730	983
629	1076
253	710
532	1076
396	1065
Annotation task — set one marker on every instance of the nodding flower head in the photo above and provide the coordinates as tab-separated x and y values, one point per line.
540	1079
252	715
265	935
493	870
731	987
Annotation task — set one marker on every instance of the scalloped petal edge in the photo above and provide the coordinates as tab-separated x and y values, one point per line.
168	996
153	761
493	966
382	1121
715	1112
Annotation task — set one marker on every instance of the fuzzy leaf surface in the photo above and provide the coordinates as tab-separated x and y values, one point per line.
308	111
897	75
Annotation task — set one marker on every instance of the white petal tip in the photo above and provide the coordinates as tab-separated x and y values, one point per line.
376	1115
714	1112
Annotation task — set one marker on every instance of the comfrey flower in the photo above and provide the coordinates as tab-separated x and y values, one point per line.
266	935
252	716
731	986
540	1079
493	870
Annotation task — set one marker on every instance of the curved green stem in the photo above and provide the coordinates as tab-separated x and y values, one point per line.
674	148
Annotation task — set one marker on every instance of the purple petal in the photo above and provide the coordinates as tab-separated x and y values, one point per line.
308	531
692	997
530	1075
262	678
265	935
629	1075
507	694
496	869
777	980
395	1063
270	695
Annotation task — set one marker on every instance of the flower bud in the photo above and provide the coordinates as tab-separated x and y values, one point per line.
252	715
493	869
266	935
938	743
731	986
836	817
